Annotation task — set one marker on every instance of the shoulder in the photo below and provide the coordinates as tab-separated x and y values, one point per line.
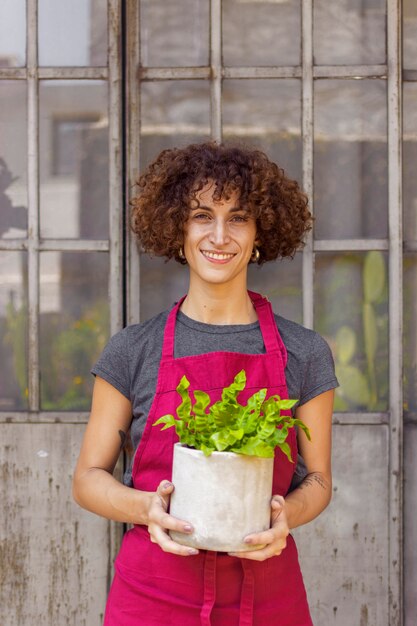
300	341
145	331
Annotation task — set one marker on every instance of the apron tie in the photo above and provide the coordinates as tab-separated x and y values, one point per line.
209	587
247	595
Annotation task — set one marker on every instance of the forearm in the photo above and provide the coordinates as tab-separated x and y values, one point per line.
309	499
99	492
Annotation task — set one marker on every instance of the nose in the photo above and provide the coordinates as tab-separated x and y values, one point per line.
219	234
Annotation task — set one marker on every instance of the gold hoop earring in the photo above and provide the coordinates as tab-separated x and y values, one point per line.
181	254
255	256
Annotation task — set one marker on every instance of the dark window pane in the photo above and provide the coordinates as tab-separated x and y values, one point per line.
410	332
350	159
74	190
174	113
351	312
261	33
13	331
74	325
409	161
13	159
349	32
174	33
72	33
410	34
161	284
281	282
266	114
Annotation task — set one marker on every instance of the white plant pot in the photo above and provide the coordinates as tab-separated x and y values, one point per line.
225	496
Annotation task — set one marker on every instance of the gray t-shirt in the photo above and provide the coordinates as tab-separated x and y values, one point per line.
130	361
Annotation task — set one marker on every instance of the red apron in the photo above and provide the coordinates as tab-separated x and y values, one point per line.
154	588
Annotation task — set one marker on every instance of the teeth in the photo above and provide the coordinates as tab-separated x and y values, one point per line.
220	256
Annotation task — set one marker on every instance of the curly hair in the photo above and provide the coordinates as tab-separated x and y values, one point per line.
169	185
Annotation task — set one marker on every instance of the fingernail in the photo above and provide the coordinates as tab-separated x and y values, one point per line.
188	528
192	551
167	485
247	540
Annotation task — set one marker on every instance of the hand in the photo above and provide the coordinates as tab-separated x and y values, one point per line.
274	540
159	521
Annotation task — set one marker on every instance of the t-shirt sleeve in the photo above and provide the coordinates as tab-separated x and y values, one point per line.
113	364
319	373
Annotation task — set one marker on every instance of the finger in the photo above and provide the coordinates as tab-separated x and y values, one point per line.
164	490
168	545
273	549
169	522
265	537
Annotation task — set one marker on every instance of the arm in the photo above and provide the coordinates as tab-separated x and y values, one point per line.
96	489
314	493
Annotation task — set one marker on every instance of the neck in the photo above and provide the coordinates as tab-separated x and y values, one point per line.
219	304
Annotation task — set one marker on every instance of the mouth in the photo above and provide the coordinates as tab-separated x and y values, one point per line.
218	257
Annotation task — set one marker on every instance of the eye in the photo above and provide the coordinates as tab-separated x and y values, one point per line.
240	218
201	216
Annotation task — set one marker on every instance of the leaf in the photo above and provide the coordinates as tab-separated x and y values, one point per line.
287	451
345	344
373	276
255	429
353	385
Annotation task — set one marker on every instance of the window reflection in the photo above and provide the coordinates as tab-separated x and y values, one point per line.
409	161
261	33
350	159
13	159
13	331
410	332
267	115
349	32
351	312
410	34
174	33
174	114
74	159
12	33
280	282
74	325
72	33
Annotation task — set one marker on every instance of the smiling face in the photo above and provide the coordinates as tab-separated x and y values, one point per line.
219	237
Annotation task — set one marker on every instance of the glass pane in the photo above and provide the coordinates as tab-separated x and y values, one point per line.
410	332
174	113
12	33
410	34
74	325
350	159
266	114
259	32
13	331
281	282
74	169
349	32
410	160
174	33
72	33
410	526
351	312
161	284
13	159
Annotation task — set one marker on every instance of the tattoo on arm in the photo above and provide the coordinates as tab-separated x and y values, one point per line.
315	477
122	439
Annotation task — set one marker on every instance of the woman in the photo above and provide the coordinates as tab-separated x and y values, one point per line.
215	208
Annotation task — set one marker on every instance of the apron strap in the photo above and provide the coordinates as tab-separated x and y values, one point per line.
247	595
270	335
209	587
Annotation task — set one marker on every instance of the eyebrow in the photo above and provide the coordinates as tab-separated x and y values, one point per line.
207	208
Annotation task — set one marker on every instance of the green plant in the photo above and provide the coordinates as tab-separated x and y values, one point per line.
254	429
